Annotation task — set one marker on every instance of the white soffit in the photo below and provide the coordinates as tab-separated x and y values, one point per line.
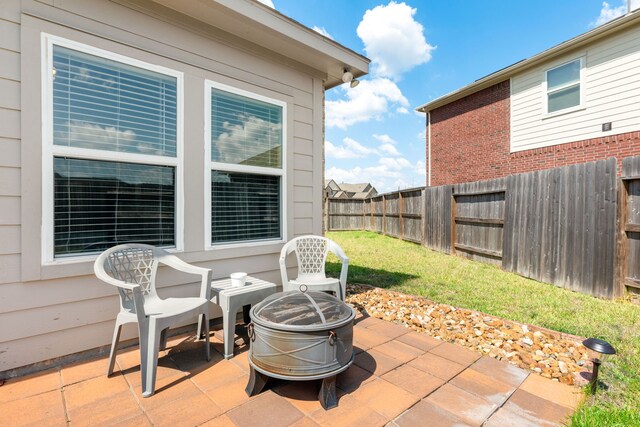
268	28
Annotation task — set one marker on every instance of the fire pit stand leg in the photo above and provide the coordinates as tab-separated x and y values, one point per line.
256	383
327	395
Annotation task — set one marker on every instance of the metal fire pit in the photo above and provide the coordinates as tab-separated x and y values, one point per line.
300	336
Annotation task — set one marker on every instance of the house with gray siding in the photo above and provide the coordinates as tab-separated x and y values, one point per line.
196	126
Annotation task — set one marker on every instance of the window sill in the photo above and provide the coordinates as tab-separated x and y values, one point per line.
247	244
563	112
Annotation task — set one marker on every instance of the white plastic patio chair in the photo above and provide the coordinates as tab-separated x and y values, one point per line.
132	268
311	253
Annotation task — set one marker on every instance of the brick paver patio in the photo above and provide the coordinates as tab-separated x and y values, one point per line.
399	378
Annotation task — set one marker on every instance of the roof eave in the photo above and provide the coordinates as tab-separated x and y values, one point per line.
597	33
270	29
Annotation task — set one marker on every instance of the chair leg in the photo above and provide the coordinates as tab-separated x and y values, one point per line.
114	347
206	332
149	346
163	339
201	320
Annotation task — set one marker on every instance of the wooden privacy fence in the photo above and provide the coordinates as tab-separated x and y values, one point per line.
577	227
396	214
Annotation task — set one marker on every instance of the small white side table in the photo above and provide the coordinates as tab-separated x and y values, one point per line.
231	299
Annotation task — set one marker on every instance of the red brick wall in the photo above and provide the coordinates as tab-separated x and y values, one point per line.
470	142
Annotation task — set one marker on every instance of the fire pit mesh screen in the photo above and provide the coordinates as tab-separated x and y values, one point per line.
295	308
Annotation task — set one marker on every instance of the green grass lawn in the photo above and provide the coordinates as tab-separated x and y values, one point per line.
410	268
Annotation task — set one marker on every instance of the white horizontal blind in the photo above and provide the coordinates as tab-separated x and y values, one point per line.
107	105
244	207
245	131
110	106
100	204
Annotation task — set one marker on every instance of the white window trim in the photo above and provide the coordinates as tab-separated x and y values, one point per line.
49	150
545	92
209	165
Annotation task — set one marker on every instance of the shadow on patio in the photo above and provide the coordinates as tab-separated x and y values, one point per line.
399	378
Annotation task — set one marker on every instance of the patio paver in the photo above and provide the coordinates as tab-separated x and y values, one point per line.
470	408
413	380
437	366
399	378
425	410
268	409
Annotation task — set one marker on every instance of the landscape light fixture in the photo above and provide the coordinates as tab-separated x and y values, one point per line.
605	349
347	77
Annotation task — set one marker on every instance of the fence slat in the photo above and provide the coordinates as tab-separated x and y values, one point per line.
577	226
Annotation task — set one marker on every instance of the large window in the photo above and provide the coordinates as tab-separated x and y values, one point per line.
564	89
111	165
245	139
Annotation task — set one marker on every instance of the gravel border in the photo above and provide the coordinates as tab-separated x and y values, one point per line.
552	354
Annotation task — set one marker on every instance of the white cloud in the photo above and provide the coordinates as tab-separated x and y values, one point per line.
609	12
384	138
351	149
268	3
230	146
393	39
387	175
322	31
88	135
389	149
402	110
371	99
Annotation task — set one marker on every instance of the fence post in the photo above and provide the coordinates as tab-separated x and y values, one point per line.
384	215
325	218
453	220
423	216
364	217
400	221
621	241
373	221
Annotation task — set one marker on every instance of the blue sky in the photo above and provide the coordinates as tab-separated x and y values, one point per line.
421	50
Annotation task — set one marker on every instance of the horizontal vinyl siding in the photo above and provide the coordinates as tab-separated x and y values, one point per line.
612	94
68	310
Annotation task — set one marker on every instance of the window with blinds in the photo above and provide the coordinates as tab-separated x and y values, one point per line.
104	104
244	207
246	137
245	131
100	204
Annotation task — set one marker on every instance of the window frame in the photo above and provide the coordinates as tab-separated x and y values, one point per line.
210	165
50	150
547	92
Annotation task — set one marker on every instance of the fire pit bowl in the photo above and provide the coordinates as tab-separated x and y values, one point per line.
300	336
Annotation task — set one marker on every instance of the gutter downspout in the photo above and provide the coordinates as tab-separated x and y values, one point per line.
429	149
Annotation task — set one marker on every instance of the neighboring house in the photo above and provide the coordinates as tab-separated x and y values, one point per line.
131	94
331	189
576	102
348	191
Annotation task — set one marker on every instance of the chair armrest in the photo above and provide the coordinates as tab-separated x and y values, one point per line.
134	288
283	272
344	271
337	250
180	265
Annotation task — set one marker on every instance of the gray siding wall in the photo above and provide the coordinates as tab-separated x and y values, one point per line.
55	310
